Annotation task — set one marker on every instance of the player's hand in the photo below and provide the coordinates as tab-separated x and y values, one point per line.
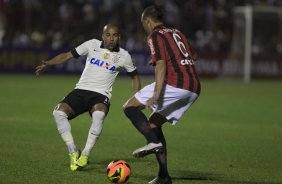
40	68
152	100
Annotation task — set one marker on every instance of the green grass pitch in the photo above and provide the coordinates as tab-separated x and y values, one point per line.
232	134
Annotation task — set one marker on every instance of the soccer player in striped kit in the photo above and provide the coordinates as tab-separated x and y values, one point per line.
175	89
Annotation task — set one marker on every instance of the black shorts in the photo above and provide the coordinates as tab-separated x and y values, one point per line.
83	100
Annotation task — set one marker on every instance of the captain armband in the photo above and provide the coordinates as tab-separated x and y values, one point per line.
74	53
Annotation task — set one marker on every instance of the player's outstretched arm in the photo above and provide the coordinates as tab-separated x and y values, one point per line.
61	58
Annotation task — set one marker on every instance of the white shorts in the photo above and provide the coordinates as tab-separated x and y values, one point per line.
172	103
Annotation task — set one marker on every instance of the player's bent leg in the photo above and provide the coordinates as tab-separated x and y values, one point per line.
156	121
133	102
162	156
98	115
60	114
141	123
93	135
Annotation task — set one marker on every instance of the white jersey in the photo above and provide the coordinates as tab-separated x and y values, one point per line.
102	67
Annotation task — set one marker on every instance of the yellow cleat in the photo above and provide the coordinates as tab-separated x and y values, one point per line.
82	161
73	160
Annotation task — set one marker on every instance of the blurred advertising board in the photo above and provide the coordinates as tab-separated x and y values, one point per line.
210	65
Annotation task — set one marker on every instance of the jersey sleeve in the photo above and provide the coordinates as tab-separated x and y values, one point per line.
157	48
83	49
128	64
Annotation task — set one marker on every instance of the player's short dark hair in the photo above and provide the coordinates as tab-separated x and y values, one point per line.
153	12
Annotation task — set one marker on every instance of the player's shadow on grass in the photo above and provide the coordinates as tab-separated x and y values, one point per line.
179	175
194	175
95	166
100	167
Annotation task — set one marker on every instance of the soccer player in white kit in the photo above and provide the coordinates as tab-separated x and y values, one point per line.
93	91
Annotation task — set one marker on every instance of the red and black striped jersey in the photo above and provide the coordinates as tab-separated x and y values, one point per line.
172	46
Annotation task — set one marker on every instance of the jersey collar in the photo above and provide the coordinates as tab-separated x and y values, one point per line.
116	49
159	26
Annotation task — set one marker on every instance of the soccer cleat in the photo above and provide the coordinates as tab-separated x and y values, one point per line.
148	149
73	160
159	180
82	161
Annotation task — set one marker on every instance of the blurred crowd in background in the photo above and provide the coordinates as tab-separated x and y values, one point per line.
58	24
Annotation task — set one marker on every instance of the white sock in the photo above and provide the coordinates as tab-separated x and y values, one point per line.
64	129
94	131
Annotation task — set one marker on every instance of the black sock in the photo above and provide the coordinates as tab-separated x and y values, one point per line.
141	123
161	157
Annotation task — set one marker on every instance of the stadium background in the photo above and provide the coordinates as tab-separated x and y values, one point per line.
231	135
32	30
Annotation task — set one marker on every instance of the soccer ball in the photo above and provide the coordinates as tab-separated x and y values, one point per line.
118	171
